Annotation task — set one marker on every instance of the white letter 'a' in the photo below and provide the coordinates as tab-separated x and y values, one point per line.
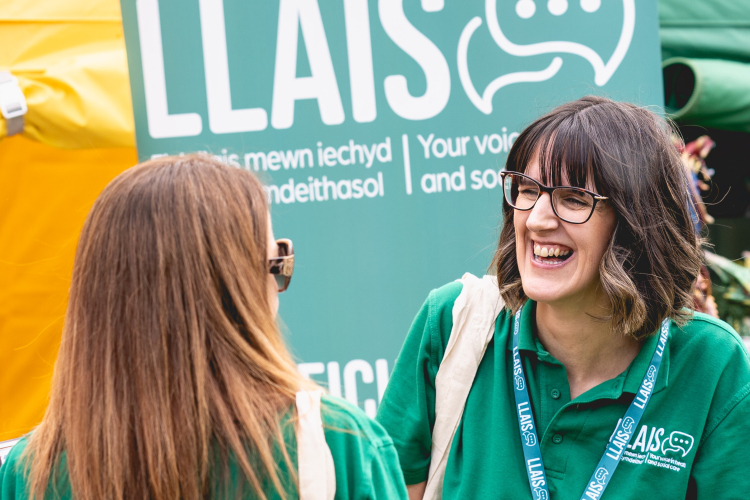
222	119
161	124
426	54
322	85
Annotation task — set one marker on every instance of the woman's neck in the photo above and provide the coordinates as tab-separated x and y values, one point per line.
589	349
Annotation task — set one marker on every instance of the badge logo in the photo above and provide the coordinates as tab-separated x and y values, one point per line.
627	425
540	494
520	384
530	438
601	475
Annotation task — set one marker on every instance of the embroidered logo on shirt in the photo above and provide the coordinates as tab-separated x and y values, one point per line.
678	441
653	447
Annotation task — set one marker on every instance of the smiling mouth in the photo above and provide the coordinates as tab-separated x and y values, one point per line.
551	254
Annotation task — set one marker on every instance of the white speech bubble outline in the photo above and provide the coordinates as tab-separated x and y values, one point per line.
484	102
602	72
669	445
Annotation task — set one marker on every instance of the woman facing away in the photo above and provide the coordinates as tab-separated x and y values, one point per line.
172	379
594	380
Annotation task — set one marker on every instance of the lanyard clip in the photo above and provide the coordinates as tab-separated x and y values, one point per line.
12	103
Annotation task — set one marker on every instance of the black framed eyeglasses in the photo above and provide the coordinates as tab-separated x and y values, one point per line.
571	204
282	266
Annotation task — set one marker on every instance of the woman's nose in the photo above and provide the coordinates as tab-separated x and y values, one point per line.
542	217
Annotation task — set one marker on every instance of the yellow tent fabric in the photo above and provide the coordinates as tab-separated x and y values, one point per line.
45	194
56	48
69	58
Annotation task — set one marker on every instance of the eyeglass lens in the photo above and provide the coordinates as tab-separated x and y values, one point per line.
570	204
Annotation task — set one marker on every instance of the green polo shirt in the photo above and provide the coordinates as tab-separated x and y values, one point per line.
365	460
692	441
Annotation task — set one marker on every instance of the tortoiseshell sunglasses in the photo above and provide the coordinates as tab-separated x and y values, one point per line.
283	265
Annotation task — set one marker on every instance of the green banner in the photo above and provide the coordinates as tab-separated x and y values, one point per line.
379	128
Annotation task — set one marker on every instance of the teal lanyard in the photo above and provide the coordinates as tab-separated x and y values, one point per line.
532	454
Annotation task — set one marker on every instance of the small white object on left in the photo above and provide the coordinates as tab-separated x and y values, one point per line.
5	447
12	103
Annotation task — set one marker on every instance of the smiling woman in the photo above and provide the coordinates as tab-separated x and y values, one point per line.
650	257
578	366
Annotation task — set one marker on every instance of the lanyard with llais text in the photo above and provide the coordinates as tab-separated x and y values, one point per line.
617	443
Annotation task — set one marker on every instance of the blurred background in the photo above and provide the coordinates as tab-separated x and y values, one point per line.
78	133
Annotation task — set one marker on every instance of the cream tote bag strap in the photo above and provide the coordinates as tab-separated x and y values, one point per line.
317	476
474	315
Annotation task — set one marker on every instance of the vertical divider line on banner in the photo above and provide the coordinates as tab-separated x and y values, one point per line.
407	162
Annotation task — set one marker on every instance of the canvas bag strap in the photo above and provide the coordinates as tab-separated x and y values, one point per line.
474	315
317	476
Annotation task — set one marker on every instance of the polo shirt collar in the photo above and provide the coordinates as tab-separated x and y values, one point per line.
634	374
628	381
526	338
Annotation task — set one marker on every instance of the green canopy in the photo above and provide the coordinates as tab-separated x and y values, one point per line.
706	52
708	92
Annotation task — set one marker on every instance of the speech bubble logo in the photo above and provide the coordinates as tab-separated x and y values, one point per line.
651	374
601	475
529	438
540	494
678	441
525	9
627	425
520	384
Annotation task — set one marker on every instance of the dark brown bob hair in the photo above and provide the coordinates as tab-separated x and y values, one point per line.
624	152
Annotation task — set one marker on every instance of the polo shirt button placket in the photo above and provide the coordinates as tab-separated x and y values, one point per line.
557	438
555	393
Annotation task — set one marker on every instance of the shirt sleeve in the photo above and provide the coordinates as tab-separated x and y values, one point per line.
720	469
386	481
363	455
407	410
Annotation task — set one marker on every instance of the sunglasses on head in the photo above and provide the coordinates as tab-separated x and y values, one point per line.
283	265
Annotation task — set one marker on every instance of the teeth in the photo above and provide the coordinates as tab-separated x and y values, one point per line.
549	252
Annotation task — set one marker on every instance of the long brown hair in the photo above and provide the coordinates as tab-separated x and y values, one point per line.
625	152
170	359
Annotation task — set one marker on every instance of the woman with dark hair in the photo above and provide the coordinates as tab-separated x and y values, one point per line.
172	380
577	371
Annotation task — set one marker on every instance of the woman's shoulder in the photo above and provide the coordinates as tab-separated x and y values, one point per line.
14	455
440	304
442	299
12	476
707	353
342	418
707	335
365	459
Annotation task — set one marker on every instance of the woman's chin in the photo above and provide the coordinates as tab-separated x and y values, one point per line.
545	291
